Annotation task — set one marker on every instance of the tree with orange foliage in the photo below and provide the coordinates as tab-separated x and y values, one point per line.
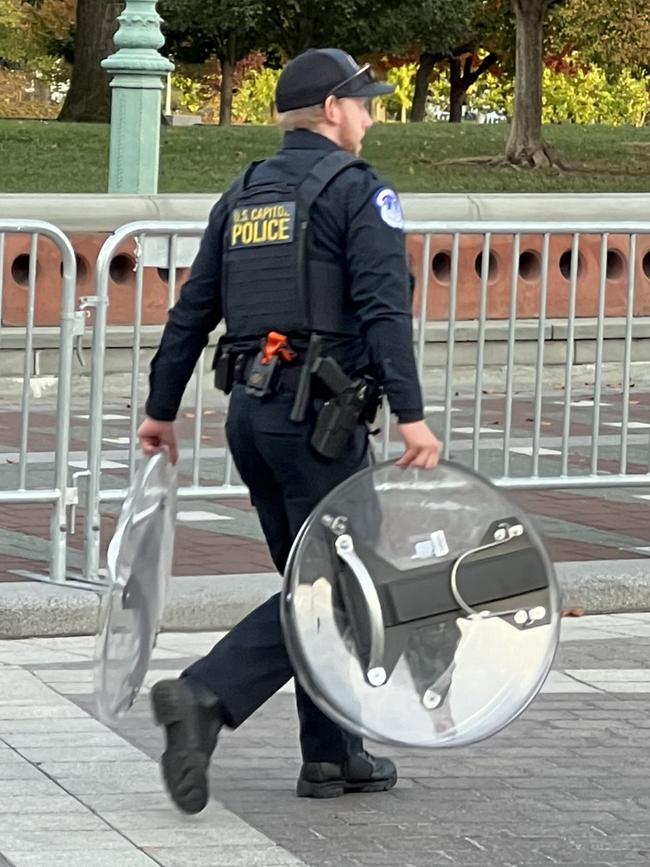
52	24
29	30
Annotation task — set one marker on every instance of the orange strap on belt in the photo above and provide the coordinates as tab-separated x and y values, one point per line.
277	344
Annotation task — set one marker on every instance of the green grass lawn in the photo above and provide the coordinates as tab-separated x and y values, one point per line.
41	157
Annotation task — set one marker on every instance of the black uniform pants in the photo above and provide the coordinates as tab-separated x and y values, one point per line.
286	480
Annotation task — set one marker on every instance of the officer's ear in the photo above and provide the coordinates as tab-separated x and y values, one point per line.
331	111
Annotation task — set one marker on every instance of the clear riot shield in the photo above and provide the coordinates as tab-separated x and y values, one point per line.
139	568
420	607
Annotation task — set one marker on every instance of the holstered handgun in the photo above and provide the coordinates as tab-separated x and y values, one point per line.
353	402
224	369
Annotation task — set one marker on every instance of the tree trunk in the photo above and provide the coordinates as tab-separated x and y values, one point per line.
227	74
462	77
525	145
305	34
89	97
457	92
422	79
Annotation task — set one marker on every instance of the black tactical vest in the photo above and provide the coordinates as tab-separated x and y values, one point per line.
268	282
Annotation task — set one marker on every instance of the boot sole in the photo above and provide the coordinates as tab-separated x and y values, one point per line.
336	788
184	771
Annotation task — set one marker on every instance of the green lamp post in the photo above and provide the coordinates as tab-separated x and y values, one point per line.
137	69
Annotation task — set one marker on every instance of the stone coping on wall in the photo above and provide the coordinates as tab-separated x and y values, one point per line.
95	212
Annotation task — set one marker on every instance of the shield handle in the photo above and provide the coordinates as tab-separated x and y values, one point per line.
376	673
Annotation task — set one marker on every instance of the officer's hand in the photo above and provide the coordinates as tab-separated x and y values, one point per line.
156	435
422	447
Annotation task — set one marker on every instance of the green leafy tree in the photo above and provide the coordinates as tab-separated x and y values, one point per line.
466	66
525	145
433	31
293	26
19	44
489	38
89	97
52	26
442	31
230	29
225	29
610	33
12	24
378	30
512	31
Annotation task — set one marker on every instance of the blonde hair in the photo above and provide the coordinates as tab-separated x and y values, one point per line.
300	118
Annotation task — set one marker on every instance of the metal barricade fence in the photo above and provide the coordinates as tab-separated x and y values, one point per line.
23	480
497	456
564	471
149	236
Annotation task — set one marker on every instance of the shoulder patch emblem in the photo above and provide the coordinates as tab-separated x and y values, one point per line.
390	210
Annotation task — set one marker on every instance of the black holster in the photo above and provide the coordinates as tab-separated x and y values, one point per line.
224	369
340	416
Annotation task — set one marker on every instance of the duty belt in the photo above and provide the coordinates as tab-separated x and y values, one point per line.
288	375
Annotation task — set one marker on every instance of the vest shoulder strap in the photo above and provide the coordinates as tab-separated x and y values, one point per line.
322	175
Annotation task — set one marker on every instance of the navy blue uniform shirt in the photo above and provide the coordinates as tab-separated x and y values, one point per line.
346	221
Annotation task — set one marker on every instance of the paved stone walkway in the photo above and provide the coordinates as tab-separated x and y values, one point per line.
568	783
224	537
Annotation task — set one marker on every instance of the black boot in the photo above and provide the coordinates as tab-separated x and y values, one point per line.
359	773
192	716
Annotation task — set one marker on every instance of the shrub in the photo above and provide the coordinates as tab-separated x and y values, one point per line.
403	79
189	94
576	94
586	96
253	101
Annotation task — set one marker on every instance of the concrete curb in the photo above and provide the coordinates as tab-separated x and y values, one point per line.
605	586
196	604
216	603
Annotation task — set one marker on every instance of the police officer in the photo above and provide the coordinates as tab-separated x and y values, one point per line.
308	242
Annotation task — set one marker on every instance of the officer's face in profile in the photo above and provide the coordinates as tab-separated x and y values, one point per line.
349	120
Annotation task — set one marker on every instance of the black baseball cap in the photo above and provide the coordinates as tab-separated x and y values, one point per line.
311	77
